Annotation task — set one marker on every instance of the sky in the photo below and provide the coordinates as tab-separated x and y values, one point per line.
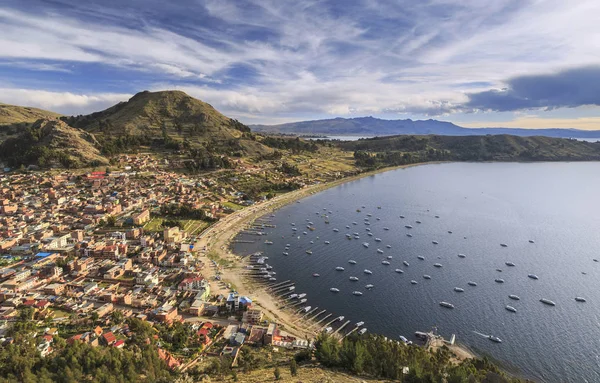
477	63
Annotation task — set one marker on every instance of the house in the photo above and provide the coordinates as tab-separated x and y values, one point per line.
141	218
119	344
108	338
168	358
252	316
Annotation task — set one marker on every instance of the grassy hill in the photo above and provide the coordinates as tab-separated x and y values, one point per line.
398	150
51	142
12	114
171	119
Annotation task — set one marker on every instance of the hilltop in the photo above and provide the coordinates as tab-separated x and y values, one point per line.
12	114
370	126
51	142
168	118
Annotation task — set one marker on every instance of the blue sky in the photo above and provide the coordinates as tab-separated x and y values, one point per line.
519	63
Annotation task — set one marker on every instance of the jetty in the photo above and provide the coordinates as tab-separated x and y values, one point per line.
341	327
321	320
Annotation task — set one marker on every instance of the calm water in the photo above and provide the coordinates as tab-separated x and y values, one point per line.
555	204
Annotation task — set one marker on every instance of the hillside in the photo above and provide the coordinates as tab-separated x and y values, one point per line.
369	126
398	150
12	114
168	118
51	142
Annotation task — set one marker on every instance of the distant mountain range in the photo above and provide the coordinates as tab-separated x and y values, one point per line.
370	126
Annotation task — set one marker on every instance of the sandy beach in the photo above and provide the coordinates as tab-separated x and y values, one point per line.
217	240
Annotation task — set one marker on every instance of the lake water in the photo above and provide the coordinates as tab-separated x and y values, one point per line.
485	204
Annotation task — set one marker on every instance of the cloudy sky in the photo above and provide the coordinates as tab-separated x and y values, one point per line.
515	63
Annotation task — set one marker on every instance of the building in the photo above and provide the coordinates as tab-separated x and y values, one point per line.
173	235
141	218
54	289
252	316
104	309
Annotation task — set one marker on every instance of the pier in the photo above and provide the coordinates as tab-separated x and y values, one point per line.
315	317
321	320
341	327
310	312
328	323
351	331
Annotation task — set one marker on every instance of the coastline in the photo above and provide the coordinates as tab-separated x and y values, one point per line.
217	239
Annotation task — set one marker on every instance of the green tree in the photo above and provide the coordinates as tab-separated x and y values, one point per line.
293	367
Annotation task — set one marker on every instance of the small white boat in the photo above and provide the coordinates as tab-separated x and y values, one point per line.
267	242
352	262
370	234
413	282
340	318
366	244
509	264
334	290
547	302
422	258
494	339
400	271
309	252
385	263
511	309
388	246
389	257
405	263
499	280
435	242
377	239
459	289
408	226
286	253
580	299
409	235
386	228
300	296
437	264
357	293
470	283
380	251
418	221
316	275
355	279
339	268
369	286
362	331
533	276
447	305
328	330
327	242
503	245
514	297
359	324
427	276
461	255
306	309
367	271
336	230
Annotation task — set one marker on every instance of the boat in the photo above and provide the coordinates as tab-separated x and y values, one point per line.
402	338
400	271
409	235
305	233
336	230
340	318
408	226
268	242
494	339
370	234
339	268
503	245
356	237
533	276
437	216
300	296
352	262
294	229
288	245
316	275
293	224
580	299
435	242
377	239
385	263
471	283
547	302
366	244
499	270
401	216
388	246
427	276
328	330
413	282
362	331
437	264
459	289
531	241
309	252
286	253
354	223
405	263
359	324
272	279
447	305
422	258
347	226
386	228
357	293
334	290
367	271
511	309
354	279
389	257
449	231
307	309
380	251
292	296
327	242
499	280
514	297
460	255
312	242
418	221
509	264
369	286
595	260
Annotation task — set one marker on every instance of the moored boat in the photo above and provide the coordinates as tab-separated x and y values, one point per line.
511	309
547	302
514	297
447	305
339	268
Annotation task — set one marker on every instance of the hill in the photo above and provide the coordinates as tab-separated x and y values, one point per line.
51	142
370	126
399	150
12	114
171	119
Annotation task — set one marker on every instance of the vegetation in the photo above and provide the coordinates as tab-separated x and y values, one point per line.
12	114
295	145
184	211
375	356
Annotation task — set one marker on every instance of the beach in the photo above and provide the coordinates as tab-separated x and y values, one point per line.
217	240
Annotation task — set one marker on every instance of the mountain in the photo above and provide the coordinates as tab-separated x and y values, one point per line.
51	142
370	126
12	114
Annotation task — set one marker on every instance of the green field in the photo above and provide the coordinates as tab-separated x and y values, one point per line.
191	226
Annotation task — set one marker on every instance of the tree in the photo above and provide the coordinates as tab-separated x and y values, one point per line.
94	316
277	373
116	316
293	367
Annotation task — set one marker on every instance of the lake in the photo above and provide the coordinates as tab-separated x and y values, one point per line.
556	205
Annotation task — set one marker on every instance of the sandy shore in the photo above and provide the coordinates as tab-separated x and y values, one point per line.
217	240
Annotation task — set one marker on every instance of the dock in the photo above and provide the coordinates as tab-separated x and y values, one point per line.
321	320
315	317
328	323
351	331
341	327
310	312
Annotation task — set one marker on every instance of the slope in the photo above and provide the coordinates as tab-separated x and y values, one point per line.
13	114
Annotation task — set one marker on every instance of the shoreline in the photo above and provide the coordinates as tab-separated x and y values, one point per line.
217	241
